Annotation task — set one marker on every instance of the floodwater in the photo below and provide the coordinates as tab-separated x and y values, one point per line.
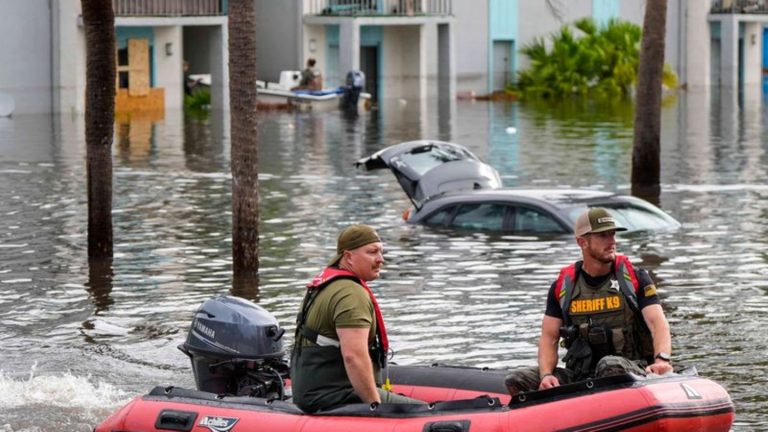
78	341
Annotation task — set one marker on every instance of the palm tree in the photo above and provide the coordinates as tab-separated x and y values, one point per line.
646	165
99	24
244	154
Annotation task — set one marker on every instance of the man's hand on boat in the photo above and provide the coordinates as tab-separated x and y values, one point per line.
659	367
548	381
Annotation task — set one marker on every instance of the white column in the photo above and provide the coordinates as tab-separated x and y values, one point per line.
68	48
422	62
729	49
349	46
168	52
753	152
753	50
699	45
729	114
446	61
219	61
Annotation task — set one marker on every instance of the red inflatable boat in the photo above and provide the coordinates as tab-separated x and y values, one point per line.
462	399
237	355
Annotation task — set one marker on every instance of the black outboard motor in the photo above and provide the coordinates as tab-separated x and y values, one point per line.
355	84
236	347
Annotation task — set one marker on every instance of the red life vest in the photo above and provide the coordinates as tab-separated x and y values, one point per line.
329	274
624	273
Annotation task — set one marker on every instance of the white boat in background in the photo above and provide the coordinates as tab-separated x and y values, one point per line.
201	79
281	94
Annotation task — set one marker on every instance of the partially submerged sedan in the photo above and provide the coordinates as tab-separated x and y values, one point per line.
451	187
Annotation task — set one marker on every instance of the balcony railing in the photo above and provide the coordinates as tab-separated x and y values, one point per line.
740	7
380	7
164	8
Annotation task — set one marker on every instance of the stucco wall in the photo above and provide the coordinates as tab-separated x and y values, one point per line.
400	61
536	20
26	50
471	48
278	45
635	10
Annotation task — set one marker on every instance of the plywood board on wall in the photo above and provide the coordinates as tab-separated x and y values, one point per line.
138	66
154	101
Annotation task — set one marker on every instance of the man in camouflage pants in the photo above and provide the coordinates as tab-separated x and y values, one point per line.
607	313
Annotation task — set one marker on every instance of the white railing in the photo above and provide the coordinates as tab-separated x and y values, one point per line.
380	7
167	7
739	6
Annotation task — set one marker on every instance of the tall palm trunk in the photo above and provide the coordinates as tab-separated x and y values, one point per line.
99	23
646	165
244	154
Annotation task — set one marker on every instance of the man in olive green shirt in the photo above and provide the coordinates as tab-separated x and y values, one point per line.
341	341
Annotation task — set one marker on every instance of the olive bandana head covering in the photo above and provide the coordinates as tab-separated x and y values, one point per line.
352	237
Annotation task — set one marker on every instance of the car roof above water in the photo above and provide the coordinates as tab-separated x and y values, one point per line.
560	198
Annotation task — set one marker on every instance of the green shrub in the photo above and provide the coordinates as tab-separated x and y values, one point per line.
200	99
598	62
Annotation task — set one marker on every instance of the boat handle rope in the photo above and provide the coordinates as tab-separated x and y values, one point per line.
590	384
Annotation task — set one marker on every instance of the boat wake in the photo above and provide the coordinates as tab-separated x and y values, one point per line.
71	402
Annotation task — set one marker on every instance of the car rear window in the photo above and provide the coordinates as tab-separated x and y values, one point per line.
423	161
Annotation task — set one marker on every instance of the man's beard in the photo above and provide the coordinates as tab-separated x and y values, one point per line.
601	257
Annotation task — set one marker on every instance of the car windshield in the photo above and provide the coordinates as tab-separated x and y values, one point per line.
632	217
424	159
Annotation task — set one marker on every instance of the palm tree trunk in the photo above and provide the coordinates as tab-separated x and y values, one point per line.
244	154
646	165
99	23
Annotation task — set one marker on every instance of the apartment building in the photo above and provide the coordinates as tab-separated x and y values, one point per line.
407	48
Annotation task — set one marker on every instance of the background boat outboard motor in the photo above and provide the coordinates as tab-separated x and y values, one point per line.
355	84
236	347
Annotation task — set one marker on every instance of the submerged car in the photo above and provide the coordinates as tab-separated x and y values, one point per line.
451	187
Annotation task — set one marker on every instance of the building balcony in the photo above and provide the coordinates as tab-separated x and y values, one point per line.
379	8
168	8
739	7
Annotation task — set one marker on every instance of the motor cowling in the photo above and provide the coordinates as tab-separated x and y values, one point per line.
236	347
355	83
